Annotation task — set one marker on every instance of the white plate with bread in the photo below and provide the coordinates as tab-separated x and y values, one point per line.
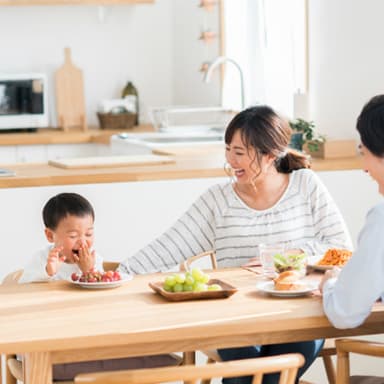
287	284
301	289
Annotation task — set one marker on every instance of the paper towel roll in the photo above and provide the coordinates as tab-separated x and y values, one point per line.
301	106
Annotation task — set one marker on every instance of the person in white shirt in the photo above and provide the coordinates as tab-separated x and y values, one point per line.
69	227
272	198
349	294
68	220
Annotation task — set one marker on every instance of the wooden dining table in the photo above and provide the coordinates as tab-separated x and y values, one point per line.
58	322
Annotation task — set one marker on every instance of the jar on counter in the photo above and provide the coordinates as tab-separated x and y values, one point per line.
131	95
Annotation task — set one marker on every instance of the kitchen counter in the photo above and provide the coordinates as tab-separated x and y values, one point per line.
73	136
188	165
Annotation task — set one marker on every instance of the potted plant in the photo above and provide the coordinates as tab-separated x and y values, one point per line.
305	136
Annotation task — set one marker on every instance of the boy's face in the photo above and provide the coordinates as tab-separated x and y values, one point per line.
70	233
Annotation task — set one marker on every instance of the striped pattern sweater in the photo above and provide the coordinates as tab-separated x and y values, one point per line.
305	217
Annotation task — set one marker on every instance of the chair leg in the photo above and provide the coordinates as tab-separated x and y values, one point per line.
329	369
189	358
208	381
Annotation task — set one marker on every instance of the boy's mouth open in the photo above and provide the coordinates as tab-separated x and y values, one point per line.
75	252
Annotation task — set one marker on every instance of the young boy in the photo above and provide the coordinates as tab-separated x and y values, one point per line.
68	220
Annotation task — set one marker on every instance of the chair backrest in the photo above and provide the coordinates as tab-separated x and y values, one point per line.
185	266
287	365
13	277
345	346
13	369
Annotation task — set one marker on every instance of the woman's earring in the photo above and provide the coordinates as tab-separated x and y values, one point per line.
229	171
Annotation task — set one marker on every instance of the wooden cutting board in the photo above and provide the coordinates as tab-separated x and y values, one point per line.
110	161
70	102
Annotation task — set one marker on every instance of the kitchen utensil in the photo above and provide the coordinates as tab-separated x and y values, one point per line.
70	95
111	161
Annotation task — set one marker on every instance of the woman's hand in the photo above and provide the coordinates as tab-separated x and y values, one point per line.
54	261
330	274
86	258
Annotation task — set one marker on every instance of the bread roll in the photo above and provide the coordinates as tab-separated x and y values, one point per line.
288	281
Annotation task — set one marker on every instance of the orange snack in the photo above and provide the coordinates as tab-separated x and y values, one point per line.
336	257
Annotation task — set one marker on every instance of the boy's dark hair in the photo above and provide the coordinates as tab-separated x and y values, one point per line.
64	204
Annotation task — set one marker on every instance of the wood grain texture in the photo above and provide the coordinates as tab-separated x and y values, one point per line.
286	364
73	2
185	167
67	324
70	102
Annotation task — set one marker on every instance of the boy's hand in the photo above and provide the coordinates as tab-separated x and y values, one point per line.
86	259
54	260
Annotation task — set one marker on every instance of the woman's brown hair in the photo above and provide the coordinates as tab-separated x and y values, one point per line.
264	130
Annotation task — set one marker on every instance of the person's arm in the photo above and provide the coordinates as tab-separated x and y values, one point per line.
329	227
348	299
35	270
192	234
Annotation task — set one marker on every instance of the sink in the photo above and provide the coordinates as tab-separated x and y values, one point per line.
144	143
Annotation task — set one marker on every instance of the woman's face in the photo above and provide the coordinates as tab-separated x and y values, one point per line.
243	160
373	165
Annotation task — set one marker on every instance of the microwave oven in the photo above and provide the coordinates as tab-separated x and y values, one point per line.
23	101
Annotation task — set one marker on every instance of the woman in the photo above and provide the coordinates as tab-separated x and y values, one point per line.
348	299
273	199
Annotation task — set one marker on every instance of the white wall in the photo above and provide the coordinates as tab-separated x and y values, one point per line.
134	42
189	54
346	61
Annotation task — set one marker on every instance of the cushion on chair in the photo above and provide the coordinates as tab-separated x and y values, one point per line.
70	370
366	380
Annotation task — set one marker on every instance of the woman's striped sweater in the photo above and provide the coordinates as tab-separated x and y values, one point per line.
305	217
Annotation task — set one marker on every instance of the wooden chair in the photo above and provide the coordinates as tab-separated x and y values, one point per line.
326	353
287	365
346	346
186	265
14	367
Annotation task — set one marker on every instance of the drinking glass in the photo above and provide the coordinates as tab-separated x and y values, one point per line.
267	254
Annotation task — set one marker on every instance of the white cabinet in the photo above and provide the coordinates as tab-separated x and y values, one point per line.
31	154
41	153
8	154
56	151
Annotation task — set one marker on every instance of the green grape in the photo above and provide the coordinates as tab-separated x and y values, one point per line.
187	287
204	278
189	280
170	281
167	288
197	274
200	287
179	278
214	287
178	288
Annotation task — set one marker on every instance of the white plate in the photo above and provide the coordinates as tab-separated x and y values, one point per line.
269	287
103	285
312	263
321	267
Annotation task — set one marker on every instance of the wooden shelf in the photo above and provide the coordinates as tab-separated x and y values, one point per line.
73	2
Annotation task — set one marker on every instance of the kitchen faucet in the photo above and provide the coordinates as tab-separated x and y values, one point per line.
220	60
